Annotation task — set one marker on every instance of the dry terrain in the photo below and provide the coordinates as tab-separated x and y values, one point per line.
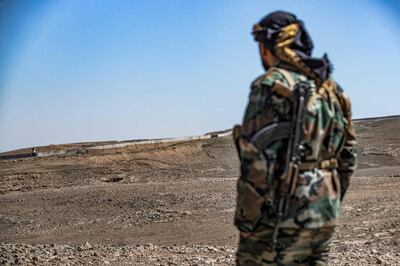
172	204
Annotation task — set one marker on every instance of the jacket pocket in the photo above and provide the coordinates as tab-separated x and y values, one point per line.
248	206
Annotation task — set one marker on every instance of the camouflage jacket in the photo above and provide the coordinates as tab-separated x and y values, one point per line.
327	133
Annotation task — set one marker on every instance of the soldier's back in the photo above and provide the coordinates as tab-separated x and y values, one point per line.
305	233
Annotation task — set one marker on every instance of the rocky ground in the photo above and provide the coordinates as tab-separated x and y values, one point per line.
116	255
173	203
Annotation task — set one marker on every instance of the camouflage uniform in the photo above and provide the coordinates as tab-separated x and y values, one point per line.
305	234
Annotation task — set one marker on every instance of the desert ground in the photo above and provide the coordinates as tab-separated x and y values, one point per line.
172	203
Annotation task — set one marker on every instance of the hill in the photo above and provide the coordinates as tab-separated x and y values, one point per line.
178	195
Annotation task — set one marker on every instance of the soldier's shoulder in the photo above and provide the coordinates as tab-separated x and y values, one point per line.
335	86
277	74
268	78
277	80
340	93
343	97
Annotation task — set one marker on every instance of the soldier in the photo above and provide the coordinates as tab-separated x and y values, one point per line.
297	151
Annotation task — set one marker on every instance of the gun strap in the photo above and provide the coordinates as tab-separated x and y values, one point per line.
324	164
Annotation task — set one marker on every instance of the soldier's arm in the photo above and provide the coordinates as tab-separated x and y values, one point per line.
268	103
265	106
348	155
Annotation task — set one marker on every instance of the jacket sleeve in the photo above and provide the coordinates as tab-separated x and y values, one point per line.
348	155
267	105
258	168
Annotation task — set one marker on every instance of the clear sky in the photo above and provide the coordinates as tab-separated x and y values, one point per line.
73	70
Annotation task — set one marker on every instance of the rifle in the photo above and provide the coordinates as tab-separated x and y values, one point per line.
291	131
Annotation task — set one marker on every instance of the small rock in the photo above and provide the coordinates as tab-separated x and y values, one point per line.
213	249
87	245
113	179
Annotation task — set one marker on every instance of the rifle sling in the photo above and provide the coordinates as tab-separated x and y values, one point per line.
324	164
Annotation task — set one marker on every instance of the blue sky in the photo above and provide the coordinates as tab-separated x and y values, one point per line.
94	70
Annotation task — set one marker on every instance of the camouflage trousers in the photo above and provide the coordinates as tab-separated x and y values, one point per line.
304	246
